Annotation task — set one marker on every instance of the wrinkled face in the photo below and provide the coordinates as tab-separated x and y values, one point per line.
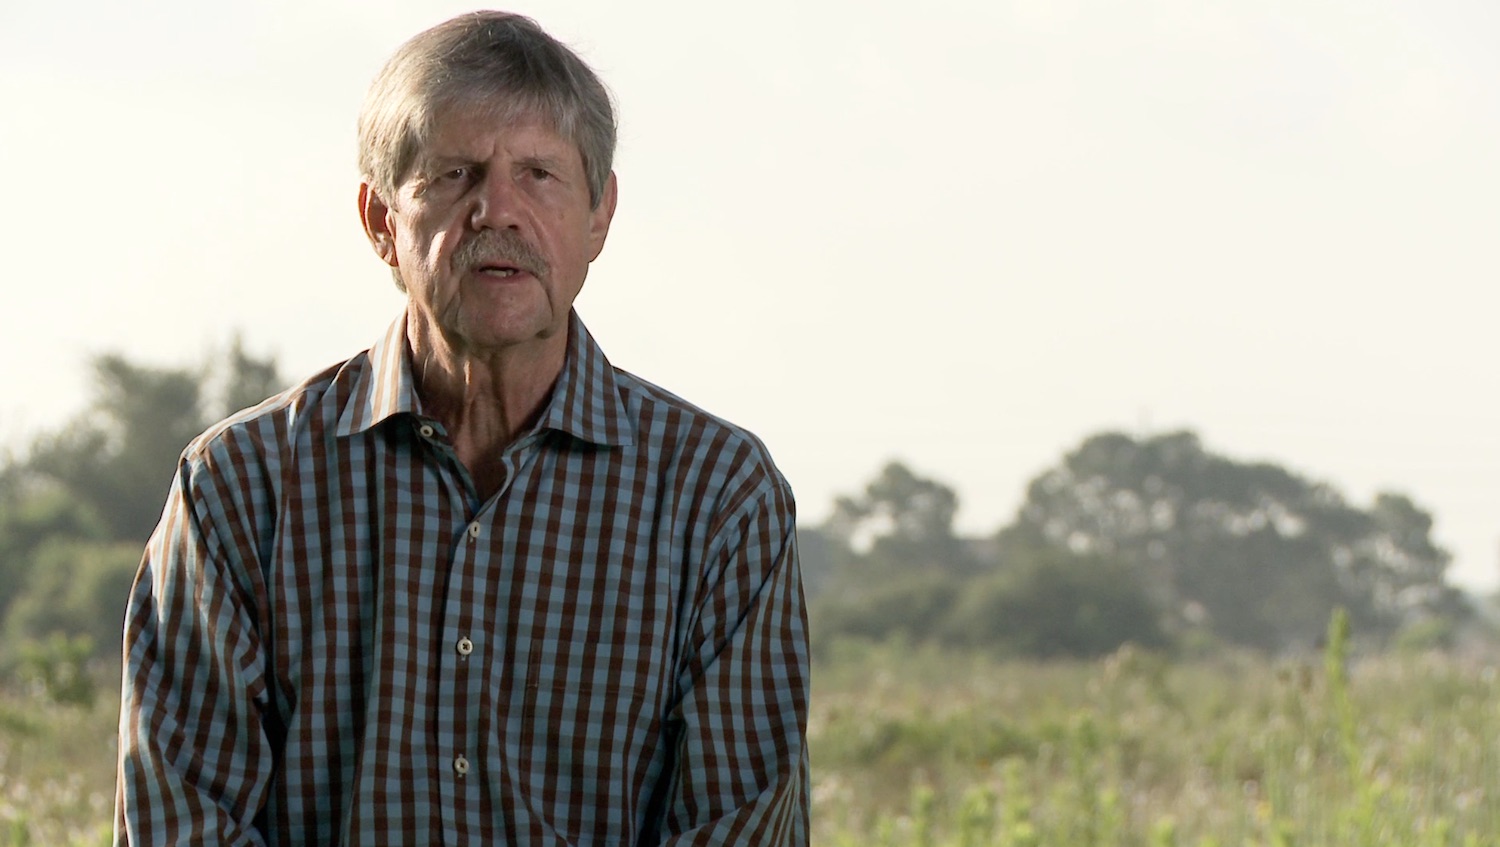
492	231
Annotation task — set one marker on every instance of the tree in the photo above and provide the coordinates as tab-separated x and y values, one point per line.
247	379
906	574
1253	551
118	457
77	509
901	521
887	563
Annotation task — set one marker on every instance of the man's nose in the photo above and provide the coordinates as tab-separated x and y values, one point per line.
497	203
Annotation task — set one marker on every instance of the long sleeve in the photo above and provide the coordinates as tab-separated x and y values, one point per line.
195	761
741	775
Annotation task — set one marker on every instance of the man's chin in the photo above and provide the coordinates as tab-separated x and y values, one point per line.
498	336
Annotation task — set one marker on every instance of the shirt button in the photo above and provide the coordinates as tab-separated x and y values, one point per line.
460	766
465	646
426	430
474	529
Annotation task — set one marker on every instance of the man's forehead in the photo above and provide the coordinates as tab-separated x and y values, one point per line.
476	129
485	119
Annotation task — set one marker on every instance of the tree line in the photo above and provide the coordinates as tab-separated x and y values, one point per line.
1152	540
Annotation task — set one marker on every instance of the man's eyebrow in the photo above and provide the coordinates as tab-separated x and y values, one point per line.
442	160
540	160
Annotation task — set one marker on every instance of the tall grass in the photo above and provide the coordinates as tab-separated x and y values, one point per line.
56	771
920	748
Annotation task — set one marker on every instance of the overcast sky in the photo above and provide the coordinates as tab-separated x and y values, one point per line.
963	234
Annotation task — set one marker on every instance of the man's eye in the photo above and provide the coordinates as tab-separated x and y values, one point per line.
540	173
458	174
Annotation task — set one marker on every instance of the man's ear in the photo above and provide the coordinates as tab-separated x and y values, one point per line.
601	215
376	217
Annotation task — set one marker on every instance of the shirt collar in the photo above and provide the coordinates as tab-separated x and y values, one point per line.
585	402
384	387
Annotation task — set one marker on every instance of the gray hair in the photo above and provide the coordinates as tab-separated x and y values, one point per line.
489	59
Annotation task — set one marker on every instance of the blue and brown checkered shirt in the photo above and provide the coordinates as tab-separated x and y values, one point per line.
333	640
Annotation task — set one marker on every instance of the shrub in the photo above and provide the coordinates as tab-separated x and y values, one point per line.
1051	604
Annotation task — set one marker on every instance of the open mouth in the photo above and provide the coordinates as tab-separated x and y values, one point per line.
499	255
502	271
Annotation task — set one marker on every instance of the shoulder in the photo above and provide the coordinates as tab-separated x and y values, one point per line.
705	451
256	441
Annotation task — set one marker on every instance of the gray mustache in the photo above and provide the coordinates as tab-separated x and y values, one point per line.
500	245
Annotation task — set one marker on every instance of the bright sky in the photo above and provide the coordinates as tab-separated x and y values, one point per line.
964	234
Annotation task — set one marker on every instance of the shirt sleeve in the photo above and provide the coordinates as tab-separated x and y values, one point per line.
741	775
195	761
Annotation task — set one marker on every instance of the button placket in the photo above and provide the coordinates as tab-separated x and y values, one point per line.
460	670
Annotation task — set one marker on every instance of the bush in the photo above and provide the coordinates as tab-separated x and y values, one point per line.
1427	634
30	516
1052	604
74	590
57	668
908	606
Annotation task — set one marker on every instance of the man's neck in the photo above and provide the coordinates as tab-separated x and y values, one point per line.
486	399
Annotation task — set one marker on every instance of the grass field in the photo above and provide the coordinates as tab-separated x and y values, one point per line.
56	771
914	747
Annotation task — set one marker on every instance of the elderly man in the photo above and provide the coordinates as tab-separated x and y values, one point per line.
474	585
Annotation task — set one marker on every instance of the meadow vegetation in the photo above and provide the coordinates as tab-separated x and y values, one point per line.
929	747
57	768
915	747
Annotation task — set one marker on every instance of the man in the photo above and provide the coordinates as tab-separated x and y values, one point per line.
474	585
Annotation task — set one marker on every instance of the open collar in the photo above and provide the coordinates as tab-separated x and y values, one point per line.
585	402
